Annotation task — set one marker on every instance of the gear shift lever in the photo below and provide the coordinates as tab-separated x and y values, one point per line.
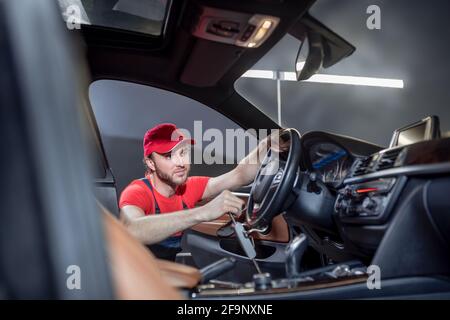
294	254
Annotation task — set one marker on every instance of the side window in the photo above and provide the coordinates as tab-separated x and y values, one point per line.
124	111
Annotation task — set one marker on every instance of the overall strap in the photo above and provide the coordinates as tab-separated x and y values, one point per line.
149	185
185	207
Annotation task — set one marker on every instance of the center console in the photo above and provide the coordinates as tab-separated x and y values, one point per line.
368	202
372	190
333	276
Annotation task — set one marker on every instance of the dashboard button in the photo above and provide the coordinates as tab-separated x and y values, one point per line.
369	204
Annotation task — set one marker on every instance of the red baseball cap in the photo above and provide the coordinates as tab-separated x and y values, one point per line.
163	138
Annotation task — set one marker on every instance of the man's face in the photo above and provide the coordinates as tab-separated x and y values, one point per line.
173	167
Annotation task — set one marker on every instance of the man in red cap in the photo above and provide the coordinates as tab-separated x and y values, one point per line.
157	208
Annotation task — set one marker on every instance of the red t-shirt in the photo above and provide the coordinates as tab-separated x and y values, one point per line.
138	194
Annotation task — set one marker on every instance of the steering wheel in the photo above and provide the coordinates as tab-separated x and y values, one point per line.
271	191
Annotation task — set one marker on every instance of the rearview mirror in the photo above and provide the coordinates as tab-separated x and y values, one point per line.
320	47
310	56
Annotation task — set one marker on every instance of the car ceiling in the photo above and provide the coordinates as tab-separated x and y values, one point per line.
200	69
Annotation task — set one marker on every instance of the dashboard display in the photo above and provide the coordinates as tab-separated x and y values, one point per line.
425	129
330	162
411	135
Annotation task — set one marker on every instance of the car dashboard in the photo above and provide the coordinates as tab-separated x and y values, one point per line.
330	162
360	206
360	187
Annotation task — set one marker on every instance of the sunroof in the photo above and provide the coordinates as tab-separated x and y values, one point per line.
144	16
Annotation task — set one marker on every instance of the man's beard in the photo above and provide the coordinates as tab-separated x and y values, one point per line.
168	179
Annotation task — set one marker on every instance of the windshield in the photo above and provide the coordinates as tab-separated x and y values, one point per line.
144	16
385	84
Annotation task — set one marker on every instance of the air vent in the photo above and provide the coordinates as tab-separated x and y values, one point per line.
387	159
376	162
362	166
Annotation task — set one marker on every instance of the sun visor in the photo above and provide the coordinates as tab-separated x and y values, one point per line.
208	62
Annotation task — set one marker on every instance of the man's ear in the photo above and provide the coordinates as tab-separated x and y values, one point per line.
150	163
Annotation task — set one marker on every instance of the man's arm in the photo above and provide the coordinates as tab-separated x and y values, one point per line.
157	227
246	170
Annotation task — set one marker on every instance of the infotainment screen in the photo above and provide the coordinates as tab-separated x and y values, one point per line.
412	134
426	129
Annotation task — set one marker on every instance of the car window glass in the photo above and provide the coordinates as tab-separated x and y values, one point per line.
124	111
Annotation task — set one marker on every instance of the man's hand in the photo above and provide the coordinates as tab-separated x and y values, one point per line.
156	227
248	167
277	143
224	203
